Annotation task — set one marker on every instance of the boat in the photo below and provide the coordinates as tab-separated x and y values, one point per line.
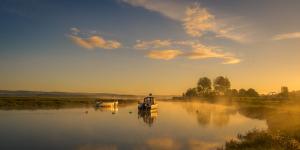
149	103
106	104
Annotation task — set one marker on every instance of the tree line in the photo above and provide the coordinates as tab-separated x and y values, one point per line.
220	86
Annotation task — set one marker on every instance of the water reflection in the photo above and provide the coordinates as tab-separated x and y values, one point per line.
113	110
163	143
148	116
97	147
207	113
158	143
171	143
179	125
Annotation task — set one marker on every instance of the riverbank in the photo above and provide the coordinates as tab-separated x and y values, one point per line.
7	103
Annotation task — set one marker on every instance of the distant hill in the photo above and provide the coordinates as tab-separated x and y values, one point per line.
7	93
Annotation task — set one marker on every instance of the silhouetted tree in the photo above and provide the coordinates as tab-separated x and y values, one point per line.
242	93
284	91
221	85
234	92
204	86
191	92
252	93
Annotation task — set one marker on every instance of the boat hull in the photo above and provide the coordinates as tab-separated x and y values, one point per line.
145	107
107	104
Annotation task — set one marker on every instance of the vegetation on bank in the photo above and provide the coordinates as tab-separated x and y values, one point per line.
8	103
262	140
221	86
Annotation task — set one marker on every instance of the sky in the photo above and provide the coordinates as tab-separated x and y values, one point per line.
143	46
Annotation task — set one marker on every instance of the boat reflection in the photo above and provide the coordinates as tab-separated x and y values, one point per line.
148	116
113	110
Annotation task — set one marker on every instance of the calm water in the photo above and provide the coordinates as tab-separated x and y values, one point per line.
176	125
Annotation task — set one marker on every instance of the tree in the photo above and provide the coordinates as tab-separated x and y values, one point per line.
234	93
242	93
221	85
191	92
252	93
284	91
204	86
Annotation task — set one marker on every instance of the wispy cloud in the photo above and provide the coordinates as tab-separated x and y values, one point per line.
173	9
201	51
227	58
285	36
193	50
231	60
81	42
92	41
232	34
152	44
196	20
164	54
199	20
75	30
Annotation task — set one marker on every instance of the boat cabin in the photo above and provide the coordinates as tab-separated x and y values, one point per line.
149	100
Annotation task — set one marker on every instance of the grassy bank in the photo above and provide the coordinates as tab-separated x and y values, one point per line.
262	140
8	103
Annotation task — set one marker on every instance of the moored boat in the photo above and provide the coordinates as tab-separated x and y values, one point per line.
106	104
149	103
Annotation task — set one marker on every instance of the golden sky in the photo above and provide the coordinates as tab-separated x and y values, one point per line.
142	46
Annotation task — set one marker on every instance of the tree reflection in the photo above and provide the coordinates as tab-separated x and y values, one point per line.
203	117
206	113
221	119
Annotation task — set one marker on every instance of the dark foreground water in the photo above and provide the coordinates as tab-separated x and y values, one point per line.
176	125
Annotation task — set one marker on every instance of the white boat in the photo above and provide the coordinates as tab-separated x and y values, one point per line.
148	103
107	104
